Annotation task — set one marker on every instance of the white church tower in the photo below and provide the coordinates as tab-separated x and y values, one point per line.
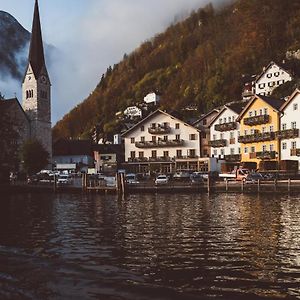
36	88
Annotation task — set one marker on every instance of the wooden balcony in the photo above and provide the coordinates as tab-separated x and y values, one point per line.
257	120
257	137
287	134
160	144
233	158
218	143
226	126
159	129
295	152
266	155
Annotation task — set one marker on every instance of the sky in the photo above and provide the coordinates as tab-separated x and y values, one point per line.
89	36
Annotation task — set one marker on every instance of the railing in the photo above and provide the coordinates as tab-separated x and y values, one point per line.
257	137
226	126
161	159
160	144
159	129
287	134
233	157
295	152
257	120
217	143
266	155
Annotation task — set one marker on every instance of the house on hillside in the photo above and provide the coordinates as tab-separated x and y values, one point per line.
272	77
73	155
203	125
289	129
259	122
161	143
224	134
133	112
152	99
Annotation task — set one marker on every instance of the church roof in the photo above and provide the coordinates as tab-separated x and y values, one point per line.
7	104
36	51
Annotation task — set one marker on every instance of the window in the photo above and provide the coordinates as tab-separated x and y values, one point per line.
132	140
141	154
232	151
192	152
246	131
192	137
222	136
229	119
232	135
271	147
255	113
225	120
246	150
215	152
220	121
269	75
177	137
153	139
132	154
295	106
293	125
204	122
153	153
276	74
142	139
142	128
264	129
239	150
233	118
284	146
214	137
252	149
166	153
177	126
271	128
165	138
293	145
252	131
264	148
179	153
284	126
250	113
260	112
265	111
222	152
204	135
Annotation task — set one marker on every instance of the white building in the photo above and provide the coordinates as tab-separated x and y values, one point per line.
290	124
152	98
225	131
133	112
272	76
162	143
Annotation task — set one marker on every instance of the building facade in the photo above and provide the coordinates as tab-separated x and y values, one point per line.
289	128
161	143
36	88
224	133
259	122
272	77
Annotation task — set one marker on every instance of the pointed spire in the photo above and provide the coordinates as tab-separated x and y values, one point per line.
36	51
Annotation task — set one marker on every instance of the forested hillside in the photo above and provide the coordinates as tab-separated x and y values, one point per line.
198	61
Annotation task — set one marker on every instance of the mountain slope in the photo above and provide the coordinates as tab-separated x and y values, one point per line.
198	61
13	40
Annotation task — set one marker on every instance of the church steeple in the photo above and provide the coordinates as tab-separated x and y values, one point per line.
36	51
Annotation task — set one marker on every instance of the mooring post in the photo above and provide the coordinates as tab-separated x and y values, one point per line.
258	185
226	184
289	185
275	184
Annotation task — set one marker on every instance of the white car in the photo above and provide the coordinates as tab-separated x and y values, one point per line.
64	179
161	179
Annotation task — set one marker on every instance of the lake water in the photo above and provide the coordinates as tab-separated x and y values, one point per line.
149	247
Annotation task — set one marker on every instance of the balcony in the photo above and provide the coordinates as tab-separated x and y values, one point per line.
287	134
257	137
160	144
161	159
266	155
159	129
218	143
233	158
295	152
226	126
257	120
138	159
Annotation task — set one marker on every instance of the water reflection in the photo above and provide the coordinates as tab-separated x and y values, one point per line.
156	246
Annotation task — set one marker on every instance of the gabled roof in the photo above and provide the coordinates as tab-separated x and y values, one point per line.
268	67
36	51
273	102
206	115
8	103
236	107
158	111
290	99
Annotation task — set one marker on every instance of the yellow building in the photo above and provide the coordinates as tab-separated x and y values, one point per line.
260	120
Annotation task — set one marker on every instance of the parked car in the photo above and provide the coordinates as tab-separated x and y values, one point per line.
181	175
161	179
253	178
64	179
131	178
196	178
